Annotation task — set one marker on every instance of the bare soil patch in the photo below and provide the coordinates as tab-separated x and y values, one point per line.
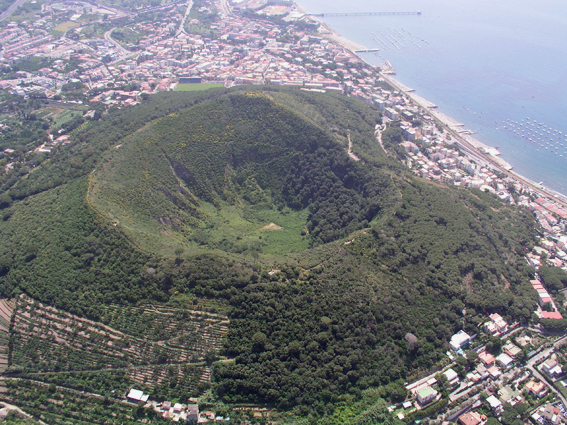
272	226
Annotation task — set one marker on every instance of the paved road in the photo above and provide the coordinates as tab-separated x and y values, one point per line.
11	9
182	24
544	354
108	38
225	7
476	155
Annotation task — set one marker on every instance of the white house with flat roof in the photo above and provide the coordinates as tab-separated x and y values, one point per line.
452	376
460	340
495	404
135	396
504	360
425	395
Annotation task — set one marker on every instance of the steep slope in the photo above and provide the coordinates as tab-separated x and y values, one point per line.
366	252
217	174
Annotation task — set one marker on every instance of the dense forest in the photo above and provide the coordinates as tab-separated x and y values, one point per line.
244	203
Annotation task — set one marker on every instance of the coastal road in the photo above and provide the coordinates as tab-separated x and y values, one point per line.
474	151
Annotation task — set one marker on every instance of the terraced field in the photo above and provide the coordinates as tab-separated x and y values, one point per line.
6	311
151	348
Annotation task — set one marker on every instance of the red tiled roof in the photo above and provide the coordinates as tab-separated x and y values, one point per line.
551	315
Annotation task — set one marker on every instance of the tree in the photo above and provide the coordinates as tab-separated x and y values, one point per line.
553	277
472	357
442	381
510	414
179	252
259	339
494	345
547	307
5	200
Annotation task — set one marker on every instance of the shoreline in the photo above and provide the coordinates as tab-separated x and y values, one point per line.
449	123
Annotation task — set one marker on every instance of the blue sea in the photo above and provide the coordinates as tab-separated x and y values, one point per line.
499	67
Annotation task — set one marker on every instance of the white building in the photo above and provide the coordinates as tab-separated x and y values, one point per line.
135	396
425	395
495	405
460	340
504	360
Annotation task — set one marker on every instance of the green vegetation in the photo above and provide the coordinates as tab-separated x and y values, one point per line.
245	202
196	87
127	36
65	26
554	278
268	163
56	405
24	12
202	20
15	418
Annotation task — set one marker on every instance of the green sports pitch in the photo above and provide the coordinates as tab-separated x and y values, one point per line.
197	86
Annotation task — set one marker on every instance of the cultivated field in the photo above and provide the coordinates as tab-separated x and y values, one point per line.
155	349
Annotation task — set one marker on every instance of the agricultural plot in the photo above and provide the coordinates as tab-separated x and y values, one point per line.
56	405
6	310
157	349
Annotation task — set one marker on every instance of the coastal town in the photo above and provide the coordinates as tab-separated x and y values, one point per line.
79	59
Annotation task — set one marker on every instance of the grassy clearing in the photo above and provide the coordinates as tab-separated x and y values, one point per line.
66	116
197	87
65	26
244	229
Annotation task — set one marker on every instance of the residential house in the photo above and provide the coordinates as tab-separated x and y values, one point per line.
537	389
426	395
490	327
552	368
499	322
504	360
192	413
548	415
509	395
494	372
135	396
551	315
511	349
460	340
495	405
487	359
452	377
470	418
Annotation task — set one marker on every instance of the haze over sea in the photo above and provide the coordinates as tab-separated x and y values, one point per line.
486	63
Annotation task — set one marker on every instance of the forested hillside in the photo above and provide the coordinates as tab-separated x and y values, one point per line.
245	205
214	174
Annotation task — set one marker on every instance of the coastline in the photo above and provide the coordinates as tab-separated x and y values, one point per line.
476	147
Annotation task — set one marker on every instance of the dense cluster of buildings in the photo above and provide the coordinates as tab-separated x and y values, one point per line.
495	381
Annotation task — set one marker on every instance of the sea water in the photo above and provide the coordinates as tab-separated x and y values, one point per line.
497	66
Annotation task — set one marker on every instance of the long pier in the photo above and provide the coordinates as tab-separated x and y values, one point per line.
325	15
